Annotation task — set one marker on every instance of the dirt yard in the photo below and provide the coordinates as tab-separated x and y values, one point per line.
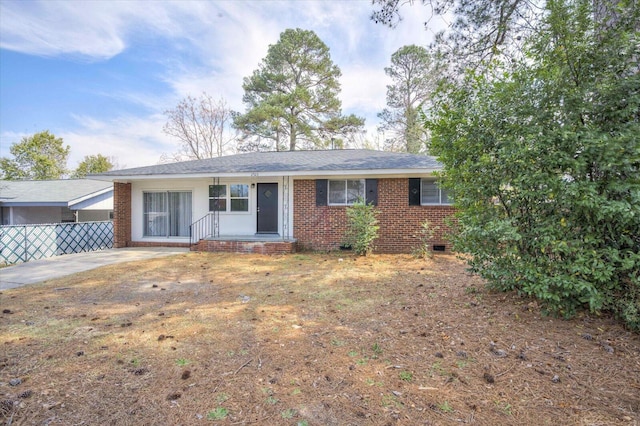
305	339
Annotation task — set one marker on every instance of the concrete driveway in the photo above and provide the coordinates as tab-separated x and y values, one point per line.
59	266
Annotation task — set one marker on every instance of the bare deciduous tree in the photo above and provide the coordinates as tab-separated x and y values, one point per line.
203	127
481	31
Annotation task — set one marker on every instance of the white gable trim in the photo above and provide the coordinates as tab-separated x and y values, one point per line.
89	196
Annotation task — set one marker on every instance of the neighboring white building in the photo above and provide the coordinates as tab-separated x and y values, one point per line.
55	201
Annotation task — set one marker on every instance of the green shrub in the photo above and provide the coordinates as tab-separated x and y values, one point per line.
362	227
425	236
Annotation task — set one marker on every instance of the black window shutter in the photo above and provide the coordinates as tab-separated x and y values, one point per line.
371	190
414	191
321	192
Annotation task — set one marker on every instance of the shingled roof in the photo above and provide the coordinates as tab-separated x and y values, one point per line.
50	192
288	162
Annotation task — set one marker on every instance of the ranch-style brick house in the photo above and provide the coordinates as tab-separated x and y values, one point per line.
277	202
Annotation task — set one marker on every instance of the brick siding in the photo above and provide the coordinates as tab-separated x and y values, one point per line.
323	227
315	228
121	215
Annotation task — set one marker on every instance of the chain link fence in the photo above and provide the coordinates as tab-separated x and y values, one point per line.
22	243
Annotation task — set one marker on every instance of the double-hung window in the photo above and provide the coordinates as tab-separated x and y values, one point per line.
166	214
346	192
229	198
431	193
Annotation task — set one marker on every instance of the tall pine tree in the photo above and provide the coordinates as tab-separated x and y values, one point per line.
292	98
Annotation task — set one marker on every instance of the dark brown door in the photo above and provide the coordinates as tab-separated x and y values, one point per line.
267	208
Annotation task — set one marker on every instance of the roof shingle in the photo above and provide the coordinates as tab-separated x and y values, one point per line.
289	161
49	191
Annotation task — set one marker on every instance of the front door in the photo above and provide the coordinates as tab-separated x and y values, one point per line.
268	208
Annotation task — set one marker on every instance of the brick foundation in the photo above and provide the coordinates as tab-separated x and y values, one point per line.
156	244
323	227
260	247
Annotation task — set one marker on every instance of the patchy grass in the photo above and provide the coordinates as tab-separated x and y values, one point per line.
304	339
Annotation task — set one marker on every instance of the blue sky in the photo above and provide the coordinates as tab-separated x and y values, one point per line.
99	74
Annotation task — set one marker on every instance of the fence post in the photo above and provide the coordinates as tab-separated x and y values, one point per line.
26	247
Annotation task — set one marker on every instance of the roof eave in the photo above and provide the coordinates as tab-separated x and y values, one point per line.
88	196
292	173
34	204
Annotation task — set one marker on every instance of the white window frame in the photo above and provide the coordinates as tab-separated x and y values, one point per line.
228	198
346	202
441	192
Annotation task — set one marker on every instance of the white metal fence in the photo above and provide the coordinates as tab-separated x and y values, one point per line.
22	243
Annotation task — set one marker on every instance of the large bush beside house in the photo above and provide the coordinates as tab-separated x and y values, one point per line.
362	228
544	159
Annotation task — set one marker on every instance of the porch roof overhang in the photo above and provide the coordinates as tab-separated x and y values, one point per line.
33	204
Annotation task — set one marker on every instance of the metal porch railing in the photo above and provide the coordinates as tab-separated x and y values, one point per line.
205	227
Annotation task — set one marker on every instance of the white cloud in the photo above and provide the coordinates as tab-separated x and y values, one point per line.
363	89
8	138
221	42
53	28
132	141
96	30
